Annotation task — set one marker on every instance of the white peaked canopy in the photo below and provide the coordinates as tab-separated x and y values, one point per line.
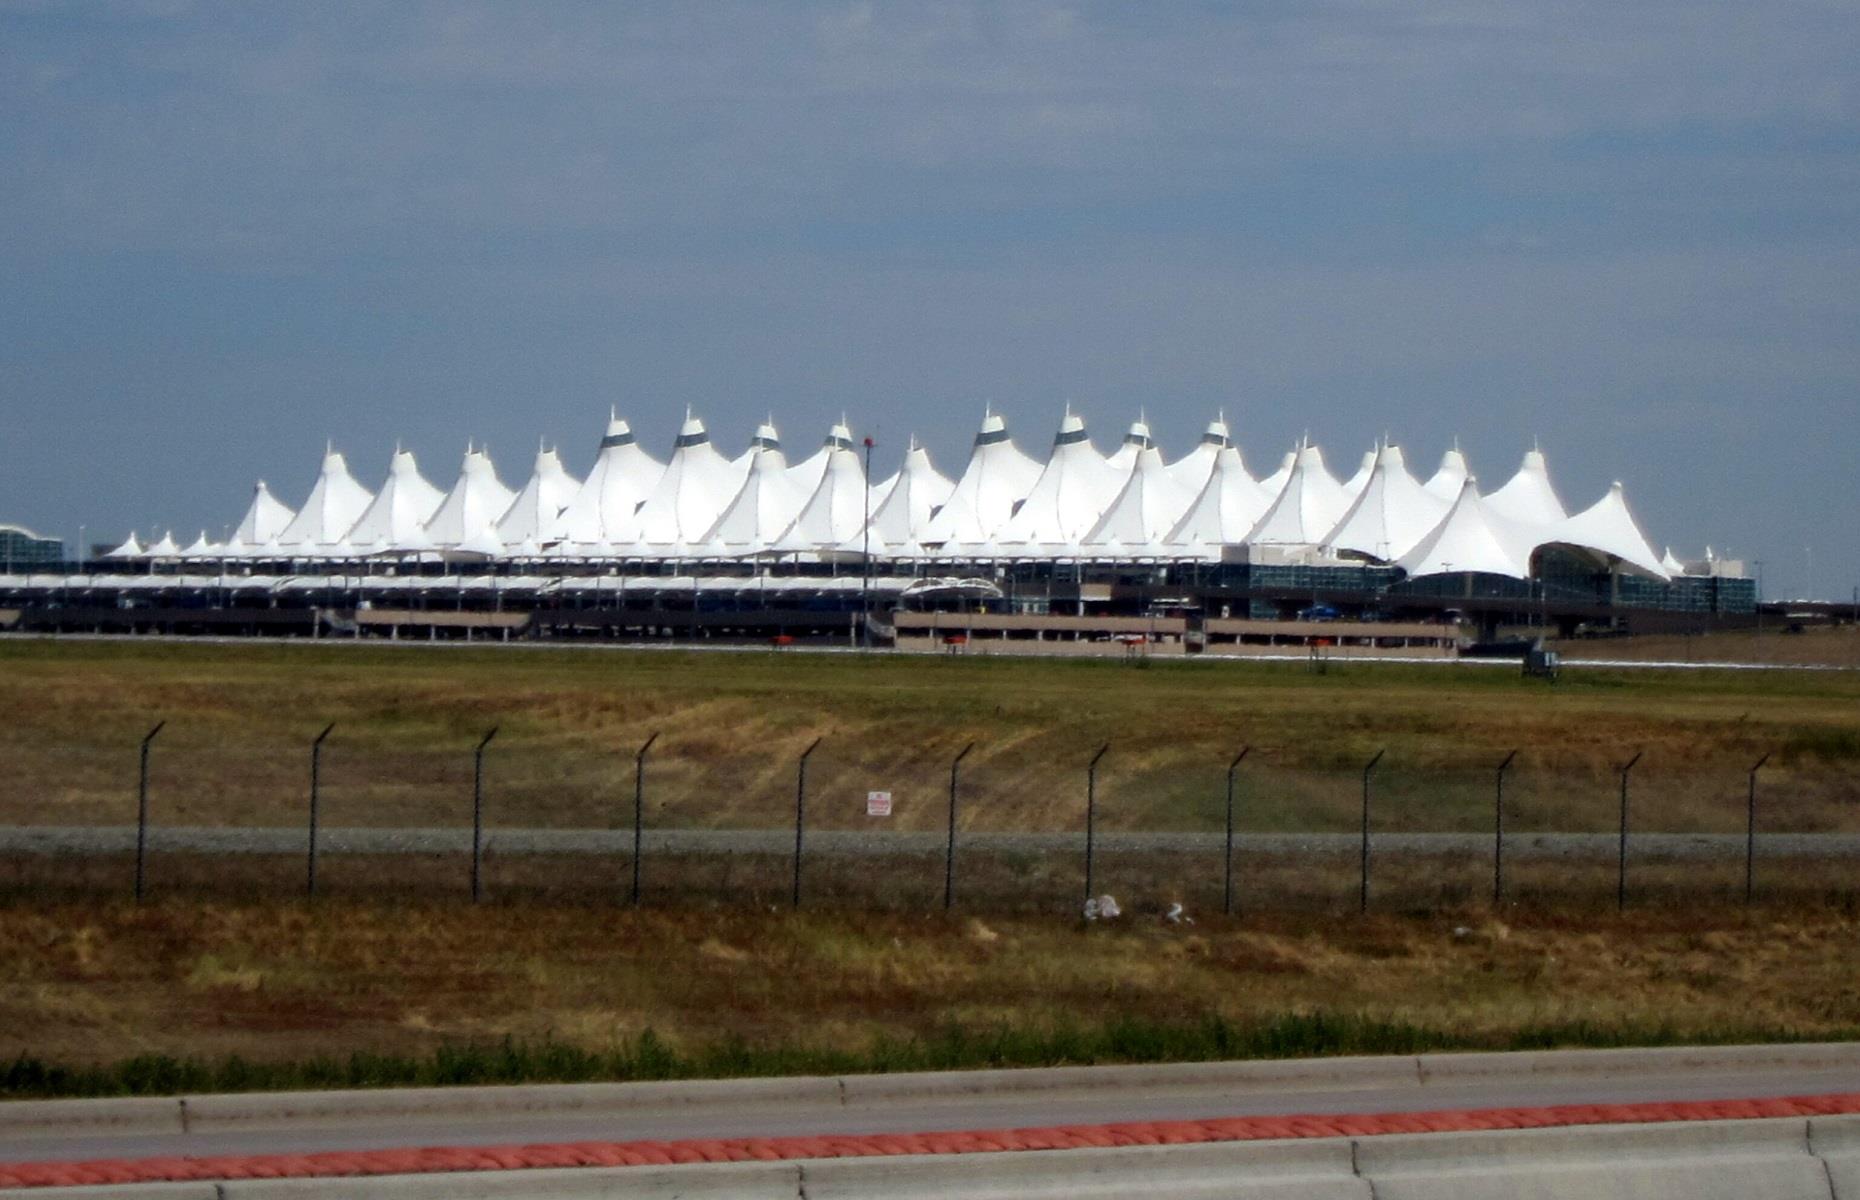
1452	472
131	548
1275	482
1392	513
1670	564
1608	528
765	439
466	519
397	518
810	470
696	486
1354	485
1229	504
1469	538
1306	508
335	504
202	547
167	547
1073	489
622	478
536	512
266	518
1136	440
997	476
1148	507
1192	469
1529	498
838	507
915	495
763	508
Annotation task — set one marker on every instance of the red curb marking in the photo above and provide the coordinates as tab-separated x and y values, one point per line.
432	1159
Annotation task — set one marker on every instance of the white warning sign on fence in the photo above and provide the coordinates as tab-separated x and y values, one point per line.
878	804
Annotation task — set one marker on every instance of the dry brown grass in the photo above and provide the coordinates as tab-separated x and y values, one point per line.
240	718
97	982
1822	645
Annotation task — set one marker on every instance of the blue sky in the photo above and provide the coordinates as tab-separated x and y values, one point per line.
1631	232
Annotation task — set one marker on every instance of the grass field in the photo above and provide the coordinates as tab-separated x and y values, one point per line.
182	986
224	980
240	718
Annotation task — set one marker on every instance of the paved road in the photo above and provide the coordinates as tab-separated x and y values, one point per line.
680	1120
117	839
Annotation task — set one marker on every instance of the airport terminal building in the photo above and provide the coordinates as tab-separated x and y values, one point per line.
1078	550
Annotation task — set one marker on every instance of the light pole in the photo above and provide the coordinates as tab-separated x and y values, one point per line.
865	556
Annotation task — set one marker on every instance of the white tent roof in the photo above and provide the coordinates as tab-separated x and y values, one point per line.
537	509
1136	439
1529	498
1392	513
1447	478
809	471
1354	485
466	519
131	547
1469	538
837	509
623	476
1146	509
1275	482
1306	508
1073	489
765	438
763	508
1608	528
396	518
1229	504
203	547
335	504
265	519
997	476
165	548
1670	564
918	491
696	486
1192	469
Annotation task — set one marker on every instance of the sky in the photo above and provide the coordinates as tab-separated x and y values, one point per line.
1627	233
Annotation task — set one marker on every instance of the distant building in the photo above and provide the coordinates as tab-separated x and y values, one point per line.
20	548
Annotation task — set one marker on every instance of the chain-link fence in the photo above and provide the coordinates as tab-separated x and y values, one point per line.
767	817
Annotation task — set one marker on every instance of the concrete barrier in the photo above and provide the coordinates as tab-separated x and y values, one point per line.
127	1191
1836	1141
264	1110
1276	1075
89	1118
1707	1160
719	1181
1298	1170
157	1116
1660	1060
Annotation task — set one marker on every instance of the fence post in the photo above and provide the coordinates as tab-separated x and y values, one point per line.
1498	832
949	852
316	784
639	808
477	816
1750	831
142	807
1621	857
1227	862
1362	903
800	819
1091	814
